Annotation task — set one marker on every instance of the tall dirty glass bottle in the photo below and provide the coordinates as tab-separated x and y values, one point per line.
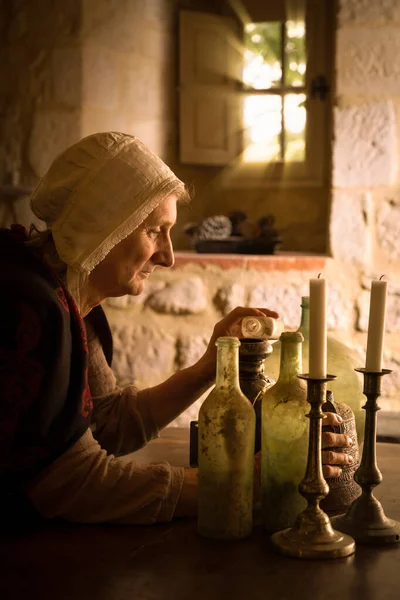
226	432
342	361
285	432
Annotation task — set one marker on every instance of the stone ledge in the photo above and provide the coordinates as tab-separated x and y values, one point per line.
281	261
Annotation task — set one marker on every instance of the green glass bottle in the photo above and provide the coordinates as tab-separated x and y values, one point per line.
285	433
226	433
342	361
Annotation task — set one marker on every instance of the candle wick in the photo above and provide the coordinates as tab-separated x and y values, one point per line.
381	277
321	274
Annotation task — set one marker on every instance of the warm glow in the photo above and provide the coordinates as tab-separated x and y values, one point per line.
263	113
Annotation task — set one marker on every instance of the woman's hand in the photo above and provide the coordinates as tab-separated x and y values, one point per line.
229	325
331	461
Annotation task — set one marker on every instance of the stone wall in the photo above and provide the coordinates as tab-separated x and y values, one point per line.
365	212
39	91
364	227
129	58
82	66
167	328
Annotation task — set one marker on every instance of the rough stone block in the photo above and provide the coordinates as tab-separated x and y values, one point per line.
339	312
100	81
365	148
364	11
284	298
392	311
349	233
158	46
140	88
95	120
367	61
67	76
142	357
123	302
114	24
229	297
391	382
159	12
189	350
388	226
187	296
53	131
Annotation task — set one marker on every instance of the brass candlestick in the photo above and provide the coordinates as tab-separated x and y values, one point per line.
312	535
365	520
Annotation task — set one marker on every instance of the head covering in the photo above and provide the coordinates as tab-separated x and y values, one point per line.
95	194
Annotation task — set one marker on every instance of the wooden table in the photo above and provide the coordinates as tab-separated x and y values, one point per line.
61	561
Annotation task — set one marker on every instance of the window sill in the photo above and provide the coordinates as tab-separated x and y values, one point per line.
281	261
272	175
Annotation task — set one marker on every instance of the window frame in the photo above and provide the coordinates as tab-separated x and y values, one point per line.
314	170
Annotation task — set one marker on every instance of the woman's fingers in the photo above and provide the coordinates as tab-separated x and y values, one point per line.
332	419
336	440
269	313
329	471
329	457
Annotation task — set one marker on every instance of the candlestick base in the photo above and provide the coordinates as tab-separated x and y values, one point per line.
368	526
312	535
311	539
365	520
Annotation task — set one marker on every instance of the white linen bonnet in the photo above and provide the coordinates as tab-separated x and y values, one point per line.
95	194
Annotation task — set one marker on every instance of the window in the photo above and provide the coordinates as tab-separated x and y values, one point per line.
274	110
254	91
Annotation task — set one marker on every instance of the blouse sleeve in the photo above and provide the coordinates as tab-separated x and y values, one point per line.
87	485
122	421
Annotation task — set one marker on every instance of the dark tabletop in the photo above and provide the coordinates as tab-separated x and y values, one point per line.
108	562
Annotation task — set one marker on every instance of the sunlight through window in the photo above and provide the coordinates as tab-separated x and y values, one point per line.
274	63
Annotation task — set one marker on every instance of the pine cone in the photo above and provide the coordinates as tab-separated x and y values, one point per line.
217	227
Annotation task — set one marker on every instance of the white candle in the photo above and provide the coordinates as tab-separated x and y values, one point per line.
376	326
317	352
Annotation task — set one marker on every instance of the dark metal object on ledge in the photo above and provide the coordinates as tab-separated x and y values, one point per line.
234	234
312	535
238	245
365	520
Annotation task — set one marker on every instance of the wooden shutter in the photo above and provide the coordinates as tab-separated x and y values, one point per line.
210	80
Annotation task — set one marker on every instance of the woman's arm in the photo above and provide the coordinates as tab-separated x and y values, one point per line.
169	399
86	485
127	418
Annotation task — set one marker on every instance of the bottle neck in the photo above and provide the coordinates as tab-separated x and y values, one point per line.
304	327
291	362
227	367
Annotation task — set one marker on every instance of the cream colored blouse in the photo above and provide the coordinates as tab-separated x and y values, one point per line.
88	483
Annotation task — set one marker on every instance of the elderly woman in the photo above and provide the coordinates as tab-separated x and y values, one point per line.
109	205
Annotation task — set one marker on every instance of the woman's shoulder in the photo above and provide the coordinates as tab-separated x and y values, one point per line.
24	276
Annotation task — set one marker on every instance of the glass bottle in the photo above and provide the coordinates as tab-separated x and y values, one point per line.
342	361
226	452
285	432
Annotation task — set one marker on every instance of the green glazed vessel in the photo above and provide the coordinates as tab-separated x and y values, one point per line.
342	361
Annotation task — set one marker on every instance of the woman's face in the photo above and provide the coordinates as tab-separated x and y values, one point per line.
126	268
